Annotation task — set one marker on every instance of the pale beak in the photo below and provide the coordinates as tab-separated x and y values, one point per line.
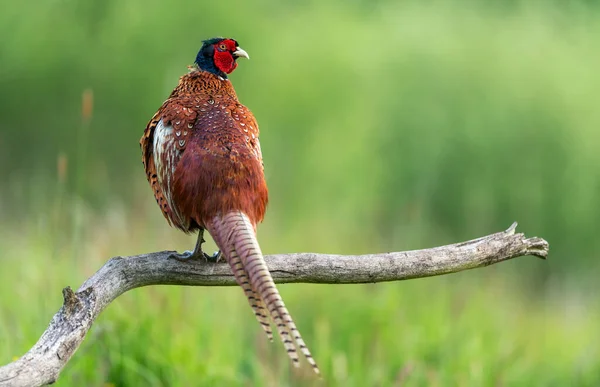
239	52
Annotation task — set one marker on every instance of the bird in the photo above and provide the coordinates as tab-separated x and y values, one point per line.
203	161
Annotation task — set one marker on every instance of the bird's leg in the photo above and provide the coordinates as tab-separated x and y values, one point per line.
197	253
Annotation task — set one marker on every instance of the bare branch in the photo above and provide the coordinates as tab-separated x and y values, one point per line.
44	362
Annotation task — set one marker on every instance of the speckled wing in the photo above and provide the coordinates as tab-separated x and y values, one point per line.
248	125
163	143
147	145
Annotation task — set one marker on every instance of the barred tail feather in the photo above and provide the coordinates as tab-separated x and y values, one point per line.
257	304
241	238
220	235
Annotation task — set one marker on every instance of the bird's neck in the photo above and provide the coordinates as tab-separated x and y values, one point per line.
200	81
208	65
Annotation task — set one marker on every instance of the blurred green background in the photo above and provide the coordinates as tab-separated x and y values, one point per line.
385	126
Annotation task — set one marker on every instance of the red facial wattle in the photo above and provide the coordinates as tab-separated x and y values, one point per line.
225	61
223	55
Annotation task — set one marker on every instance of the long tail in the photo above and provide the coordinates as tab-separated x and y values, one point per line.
241	276
235	235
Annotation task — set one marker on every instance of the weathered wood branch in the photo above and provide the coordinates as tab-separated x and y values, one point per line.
46	359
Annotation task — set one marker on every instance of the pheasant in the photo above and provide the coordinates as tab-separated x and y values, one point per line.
203	161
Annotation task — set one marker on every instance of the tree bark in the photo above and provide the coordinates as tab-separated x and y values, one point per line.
43	363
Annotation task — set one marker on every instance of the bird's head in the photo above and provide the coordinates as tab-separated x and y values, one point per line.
218	56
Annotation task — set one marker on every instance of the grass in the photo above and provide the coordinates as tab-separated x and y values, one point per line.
471	329
422	120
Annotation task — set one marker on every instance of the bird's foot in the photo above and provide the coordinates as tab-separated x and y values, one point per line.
213	258
188	256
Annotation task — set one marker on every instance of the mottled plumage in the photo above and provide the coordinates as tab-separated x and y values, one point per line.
203	161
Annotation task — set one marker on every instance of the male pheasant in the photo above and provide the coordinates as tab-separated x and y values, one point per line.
204	164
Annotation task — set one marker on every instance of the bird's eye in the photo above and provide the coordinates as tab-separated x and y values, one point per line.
222	47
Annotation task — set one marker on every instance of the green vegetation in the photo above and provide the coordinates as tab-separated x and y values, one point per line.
384	127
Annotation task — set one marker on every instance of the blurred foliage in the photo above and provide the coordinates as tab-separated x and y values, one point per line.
384	126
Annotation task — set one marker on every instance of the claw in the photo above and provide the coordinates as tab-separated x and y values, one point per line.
213	258
186	256
197	253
